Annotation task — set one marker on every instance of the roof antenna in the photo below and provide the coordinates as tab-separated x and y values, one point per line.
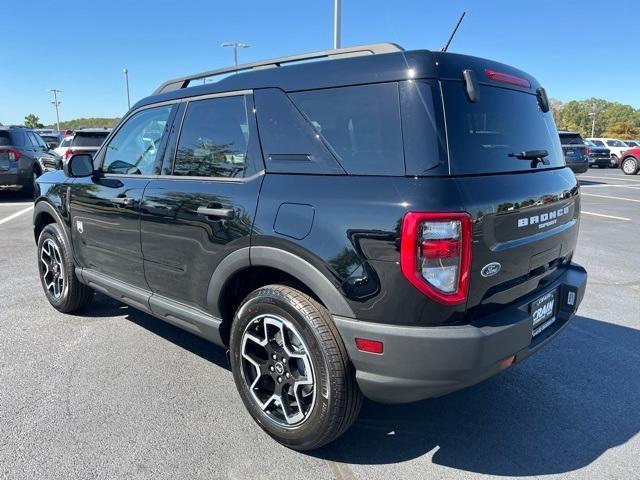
446	47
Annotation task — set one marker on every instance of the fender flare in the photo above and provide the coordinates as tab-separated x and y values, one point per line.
43	206
283	260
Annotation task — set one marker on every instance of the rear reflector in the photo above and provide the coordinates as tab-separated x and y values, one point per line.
369	346
507	362
506	78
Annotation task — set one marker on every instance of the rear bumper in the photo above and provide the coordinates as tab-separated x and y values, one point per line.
579	167
424	362
11	180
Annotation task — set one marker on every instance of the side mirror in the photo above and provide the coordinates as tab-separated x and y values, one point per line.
79	165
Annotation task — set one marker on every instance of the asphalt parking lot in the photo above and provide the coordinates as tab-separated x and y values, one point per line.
114	393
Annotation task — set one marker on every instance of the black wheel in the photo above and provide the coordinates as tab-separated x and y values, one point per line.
292	369
57	272
630	166
614	161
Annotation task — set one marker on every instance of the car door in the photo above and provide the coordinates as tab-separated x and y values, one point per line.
202	207
105	208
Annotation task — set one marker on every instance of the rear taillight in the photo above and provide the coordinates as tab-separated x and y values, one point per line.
507	78
67	154
435	254
14	155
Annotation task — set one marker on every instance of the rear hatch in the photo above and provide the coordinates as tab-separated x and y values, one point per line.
573	147
87	142
524	205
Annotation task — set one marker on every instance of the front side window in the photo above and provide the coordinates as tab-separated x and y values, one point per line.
134	148
214	138
598	143
361	124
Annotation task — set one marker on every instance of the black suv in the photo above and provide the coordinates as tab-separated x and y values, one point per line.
398	224
576	152
24	156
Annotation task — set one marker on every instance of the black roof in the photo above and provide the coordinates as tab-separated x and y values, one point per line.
376	68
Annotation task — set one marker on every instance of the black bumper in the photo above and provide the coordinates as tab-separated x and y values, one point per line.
424	362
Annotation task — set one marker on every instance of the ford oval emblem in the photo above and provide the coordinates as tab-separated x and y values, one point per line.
490	269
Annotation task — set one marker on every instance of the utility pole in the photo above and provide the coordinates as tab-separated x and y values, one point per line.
55	104
236	46
593	123
337	20
126	79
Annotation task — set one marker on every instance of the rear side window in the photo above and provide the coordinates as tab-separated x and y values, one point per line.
599	143
482	134
214	138
66	142
571	139
5	138
360	124
89	139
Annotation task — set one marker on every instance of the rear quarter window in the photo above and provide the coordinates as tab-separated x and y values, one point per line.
5	139
360	124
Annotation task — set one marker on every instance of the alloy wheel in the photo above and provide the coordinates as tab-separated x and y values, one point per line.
52	271
277	369
629	166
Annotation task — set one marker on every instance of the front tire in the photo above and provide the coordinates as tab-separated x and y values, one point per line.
615	161
630	166
57	272
291	368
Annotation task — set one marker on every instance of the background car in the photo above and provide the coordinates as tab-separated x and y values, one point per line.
630	161
51	139
575	151
632	143
24	156
616	146
86	140
598	156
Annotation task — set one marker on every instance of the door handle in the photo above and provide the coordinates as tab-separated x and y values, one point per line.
124	201
216	212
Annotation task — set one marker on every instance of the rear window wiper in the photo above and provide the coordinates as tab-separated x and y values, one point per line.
534	155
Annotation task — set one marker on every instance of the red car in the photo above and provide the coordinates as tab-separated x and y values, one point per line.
630	161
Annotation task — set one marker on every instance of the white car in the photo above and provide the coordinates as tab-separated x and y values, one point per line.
64	146
616	146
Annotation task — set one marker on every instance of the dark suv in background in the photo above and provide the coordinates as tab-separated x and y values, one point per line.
398	224
575	151
24	156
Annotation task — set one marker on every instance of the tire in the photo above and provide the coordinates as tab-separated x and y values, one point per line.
317	413
57	272
630	165
615	160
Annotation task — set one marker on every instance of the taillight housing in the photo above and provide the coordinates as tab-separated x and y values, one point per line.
435	254
14	155
67	154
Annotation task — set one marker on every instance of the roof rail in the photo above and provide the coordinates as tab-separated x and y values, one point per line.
371	49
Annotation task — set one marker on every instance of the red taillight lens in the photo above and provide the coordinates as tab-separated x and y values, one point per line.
14	155
369	346
67	154
435	254
507	78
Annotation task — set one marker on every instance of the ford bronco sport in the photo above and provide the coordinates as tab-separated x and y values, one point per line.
387	223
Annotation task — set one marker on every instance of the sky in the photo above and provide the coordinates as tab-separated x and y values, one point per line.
576	49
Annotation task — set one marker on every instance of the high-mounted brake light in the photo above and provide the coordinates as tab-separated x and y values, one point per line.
435	254
507	78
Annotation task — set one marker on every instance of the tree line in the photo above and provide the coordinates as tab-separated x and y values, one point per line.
612	119
33	121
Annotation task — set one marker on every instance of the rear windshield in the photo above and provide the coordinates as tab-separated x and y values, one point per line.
482	134
89	139
571	139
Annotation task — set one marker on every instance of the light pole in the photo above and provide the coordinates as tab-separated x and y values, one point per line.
337	17
126	80
593	123
55	104
236	46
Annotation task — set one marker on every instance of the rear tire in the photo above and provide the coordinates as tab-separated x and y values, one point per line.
630	165
291	368
57	272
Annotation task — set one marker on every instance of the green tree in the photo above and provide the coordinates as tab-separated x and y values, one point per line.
625	130
91	122
32	121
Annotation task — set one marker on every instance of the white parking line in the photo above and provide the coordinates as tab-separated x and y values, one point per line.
612	198
606	216
15	204
614	178
17	214
605	185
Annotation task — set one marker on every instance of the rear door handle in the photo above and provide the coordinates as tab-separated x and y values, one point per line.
124	201
216	212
